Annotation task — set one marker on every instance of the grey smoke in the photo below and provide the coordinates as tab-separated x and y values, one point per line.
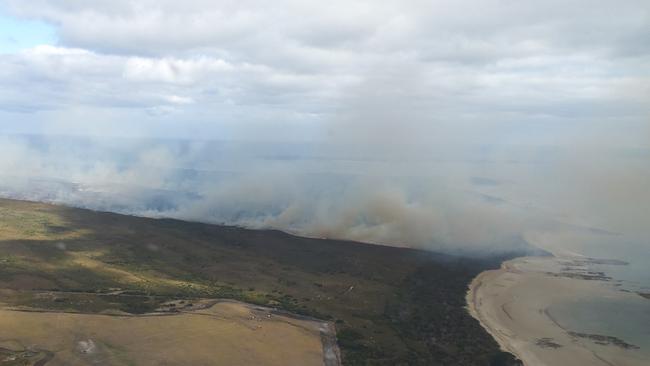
426	201
430	124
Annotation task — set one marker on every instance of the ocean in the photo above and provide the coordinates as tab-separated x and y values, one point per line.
627	317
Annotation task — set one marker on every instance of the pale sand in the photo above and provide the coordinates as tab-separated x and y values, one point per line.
511	304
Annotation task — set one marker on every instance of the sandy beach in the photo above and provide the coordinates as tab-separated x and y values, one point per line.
512	304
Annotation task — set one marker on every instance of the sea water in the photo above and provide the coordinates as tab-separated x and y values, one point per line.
624	317
627	319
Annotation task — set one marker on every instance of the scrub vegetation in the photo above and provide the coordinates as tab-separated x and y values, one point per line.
391	306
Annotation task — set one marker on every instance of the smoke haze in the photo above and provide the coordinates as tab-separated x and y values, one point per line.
460	126
472	201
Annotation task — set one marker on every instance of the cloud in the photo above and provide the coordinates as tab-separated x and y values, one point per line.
480	65
175	99
172	71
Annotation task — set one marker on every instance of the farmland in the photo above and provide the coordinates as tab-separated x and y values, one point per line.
389	305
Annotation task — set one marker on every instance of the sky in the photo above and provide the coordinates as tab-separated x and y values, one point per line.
18	34
432	124
458	72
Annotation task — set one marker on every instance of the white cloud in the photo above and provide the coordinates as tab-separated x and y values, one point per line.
175	99
169	70
428	65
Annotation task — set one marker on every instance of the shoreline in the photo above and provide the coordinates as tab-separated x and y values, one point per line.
512	304
474	303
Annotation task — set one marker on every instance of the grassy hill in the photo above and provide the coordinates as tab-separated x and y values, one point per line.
391	306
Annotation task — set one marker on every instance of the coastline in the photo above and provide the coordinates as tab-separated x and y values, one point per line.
512	304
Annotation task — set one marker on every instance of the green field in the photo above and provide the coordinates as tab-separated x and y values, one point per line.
391	306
